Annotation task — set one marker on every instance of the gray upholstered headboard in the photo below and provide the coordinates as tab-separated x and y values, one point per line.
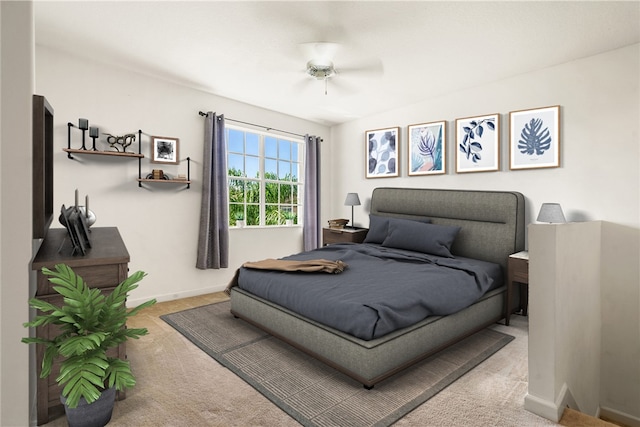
492	221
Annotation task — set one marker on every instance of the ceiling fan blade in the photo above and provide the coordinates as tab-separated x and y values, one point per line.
303	85
371	68
321	52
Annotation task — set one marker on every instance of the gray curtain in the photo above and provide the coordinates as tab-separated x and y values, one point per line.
311	232
213	240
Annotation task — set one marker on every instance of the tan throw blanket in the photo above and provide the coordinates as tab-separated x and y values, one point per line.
309	266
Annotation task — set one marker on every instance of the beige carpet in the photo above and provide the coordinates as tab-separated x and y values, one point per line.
310	391
180	385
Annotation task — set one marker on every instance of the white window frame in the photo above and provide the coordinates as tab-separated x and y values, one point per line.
263	135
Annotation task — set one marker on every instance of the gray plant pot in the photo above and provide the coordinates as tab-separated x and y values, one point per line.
96	414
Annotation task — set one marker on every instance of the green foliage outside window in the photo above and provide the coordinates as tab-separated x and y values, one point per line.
281	190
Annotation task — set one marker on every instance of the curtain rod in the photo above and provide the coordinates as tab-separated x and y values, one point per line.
253	124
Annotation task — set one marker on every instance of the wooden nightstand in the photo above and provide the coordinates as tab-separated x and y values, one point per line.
518	272
343	235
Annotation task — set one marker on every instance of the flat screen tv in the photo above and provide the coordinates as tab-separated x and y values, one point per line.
42	166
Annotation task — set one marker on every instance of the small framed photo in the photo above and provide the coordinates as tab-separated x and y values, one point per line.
165	150
478	144
382	152
427	148
534	138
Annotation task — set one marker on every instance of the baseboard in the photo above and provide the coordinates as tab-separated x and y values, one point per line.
131	302
619	417
551	410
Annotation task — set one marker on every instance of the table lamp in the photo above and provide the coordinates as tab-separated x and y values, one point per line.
352	200
551	213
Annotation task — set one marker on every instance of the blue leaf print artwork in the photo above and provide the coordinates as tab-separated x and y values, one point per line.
534	139
428	151
469	146
382	148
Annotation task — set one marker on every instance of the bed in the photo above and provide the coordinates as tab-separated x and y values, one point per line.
490	227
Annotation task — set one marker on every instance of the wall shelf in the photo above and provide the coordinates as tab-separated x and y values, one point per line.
171	181
103	153
138	155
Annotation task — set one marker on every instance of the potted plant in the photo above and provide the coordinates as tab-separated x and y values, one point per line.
89	323
289	217
239	219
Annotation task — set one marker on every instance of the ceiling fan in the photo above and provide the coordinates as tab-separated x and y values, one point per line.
320	66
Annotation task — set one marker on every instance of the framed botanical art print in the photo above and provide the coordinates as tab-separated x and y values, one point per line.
382	152
427	148
534	138
165	150
478	144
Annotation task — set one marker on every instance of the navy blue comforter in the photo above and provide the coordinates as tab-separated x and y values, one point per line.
382	290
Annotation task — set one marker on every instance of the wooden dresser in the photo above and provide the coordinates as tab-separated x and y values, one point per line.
104	266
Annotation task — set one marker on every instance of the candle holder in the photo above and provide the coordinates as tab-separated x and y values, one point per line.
94	133
83	124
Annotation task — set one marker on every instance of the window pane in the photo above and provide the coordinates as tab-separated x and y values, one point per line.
285	150
286	193
294	152
270	169
236	190
253	214
272	216
294	195
295	171
252	167
236	212
236	165
253	144
271	192
235	141
284	169
270	147
253	192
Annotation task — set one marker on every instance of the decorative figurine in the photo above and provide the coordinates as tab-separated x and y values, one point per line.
124	141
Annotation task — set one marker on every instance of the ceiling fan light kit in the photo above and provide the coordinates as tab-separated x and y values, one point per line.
320	69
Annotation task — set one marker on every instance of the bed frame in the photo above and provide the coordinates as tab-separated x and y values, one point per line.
492	228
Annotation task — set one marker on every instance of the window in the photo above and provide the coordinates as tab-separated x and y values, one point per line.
264	173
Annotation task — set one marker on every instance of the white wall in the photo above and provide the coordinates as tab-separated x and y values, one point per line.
159	223
16	58
598	178
620	293
564	318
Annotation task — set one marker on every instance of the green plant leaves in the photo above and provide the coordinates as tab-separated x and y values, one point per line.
119	374
90	323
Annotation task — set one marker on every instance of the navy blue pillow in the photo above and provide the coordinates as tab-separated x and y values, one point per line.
420	237
379	227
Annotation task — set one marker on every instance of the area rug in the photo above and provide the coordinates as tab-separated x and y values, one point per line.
313	393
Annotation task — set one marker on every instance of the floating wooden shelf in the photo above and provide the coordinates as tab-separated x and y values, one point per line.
103	153
175	181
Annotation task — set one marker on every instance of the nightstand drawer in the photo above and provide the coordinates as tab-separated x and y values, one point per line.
520	269
339	235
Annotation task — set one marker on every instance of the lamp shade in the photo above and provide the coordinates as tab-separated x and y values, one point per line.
551	212
352	200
